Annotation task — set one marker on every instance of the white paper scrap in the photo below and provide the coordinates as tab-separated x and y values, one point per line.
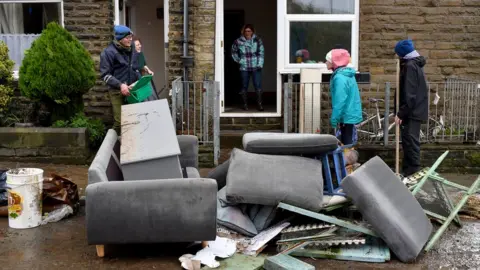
221	247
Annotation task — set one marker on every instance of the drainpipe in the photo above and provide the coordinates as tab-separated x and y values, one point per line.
186	59
187	62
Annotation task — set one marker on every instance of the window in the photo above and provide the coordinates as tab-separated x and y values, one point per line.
22	21
313	27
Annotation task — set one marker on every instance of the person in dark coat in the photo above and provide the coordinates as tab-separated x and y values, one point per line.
119	70
413	108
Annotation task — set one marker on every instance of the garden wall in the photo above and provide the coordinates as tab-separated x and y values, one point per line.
462	158
46	145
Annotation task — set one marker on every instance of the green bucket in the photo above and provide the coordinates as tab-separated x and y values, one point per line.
141	90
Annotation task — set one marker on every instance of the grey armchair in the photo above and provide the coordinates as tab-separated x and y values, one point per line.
119	211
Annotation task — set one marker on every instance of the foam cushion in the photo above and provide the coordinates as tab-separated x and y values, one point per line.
271	179
389	207
220	174
232	217
288	143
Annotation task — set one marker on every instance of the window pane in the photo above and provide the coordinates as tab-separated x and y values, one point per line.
311	41
320	6
27	18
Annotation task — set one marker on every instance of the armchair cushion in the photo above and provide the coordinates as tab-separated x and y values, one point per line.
189	151
288	143
269	180
151	211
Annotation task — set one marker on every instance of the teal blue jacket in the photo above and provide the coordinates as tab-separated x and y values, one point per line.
346	102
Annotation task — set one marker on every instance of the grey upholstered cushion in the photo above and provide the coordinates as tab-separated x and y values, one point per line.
389	207
151	211
269	180
288	143
189	150
103	167
220	174
193	173
261	215
232	217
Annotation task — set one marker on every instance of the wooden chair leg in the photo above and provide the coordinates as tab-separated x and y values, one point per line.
100	251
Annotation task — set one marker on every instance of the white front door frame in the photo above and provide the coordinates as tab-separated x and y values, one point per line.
220	64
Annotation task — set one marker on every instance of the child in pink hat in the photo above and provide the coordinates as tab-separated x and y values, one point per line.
346	102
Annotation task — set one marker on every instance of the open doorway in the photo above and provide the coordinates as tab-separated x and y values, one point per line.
145	18
263	15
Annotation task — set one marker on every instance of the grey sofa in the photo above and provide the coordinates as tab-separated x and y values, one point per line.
119	211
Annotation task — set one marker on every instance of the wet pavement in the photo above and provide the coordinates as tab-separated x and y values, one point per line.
63	244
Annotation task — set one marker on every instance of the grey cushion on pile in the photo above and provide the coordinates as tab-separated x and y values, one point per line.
288	143
219	173
233	218
270	179
247	219
389	207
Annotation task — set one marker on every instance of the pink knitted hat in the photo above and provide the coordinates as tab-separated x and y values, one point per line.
340	58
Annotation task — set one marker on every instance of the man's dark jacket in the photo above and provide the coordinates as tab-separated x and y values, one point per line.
118	66
413	90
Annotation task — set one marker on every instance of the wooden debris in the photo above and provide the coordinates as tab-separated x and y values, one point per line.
286	262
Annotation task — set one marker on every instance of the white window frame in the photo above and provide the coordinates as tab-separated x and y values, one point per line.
284	35
61	11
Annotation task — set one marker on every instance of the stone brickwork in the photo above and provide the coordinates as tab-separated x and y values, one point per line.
460	159
91	21
446	32
52	145
201	43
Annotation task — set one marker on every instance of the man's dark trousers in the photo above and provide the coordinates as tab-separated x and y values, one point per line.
411	146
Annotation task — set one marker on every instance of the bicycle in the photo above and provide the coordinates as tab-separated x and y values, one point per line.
434	127
376	121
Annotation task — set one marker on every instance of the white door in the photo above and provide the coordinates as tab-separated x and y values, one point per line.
220	63
219	52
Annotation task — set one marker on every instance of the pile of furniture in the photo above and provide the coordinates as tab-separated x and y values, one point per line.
146	188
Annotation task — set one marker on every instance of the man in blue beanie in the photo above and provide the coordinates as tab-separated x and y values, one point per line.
119	69
413	108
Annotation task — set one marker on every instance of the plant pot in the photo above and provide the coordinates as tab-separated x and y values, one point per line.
23	125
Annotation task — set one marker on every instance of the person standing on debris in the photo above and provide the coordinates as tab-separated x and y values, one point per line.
413	102
249	53
346	103
119	70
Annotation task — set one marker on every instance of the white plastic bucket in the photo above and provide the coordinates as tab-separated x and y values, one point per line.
24	197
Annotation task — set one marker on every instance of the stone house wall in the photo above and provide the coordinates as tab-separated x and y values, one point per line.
92	23
446	32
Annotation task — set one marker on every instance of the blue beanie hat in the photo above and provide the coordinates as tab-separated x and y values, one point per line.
404	47
121	31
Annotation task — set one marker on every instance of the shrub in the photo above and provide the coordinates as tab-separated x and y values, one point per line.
95	128
57	68
6	77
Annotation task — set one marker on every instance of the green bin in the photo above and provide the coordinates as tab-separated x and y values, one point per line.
141	91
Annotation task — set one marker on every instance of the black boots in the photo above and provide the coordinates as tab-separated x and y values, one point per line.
244	95
259	100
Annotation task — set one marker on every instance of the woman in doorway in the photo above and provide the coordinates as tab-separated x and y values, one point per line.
249	53
142	66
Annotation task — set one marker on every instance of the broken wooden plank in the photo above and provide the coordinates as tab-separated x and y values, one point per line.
329	219
286	262
473	189
375	251
240	262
